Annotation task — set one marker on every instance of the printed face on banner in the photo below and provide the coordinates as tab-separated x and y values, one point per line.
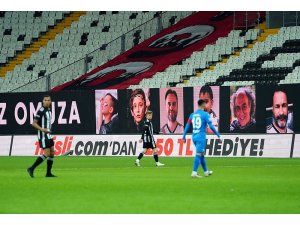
212	97
106	104
280	113
243	106
171	110
138	104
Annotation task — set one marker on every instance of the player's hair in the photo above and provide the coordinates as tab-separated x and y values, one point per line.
201	101
149	112
114	103
134	94
170	91
207	89
251	97
46	96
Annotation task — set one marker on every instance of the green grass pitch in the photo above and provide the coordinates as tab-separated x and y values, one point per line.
104	185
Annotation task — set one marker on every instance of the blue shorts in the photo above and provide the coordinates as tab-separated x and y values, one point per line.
200	145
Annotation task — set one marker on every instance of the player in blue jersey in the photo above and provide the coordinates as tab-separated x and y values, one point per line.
199	121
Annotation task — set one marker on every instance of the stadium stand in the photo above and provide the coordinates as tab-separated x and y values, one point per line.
241	57
74	45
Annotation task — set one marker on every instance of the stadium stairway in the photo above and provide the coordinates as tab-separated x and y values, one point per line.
260	38
188	72
41	42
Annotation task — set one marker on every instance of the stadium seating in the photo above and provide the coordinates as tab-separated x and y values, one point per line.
75	47
244	57
267	61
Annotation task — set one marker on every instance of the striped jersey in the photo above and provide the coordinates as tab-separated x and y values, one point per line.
147	133
43	118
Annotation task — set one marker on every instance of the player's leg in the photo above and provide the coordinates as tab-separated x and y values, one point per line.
196	163
50	162
155	156
200	152
197	159
39	159
141	155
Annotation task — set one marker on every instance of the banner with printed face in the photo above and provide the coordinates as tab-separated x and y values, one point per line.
5	145
72	112
277	146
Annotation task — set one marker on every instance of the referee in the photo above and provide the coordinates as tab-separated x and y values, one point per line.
42	122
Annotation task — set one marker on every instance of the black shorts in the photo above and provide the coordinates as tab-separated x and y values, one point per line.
149	145
46	143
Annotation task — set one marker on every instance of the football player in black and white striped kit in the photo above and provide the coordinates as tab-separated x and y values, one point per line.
148	139
42	122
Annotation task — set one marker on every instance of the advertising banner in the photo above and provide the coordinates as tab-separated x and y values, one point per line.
5	145
72	111
296	152
277	146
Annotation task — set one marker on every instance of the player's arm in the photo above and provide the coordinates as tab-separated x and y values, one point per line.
187	127
143	132
36	126
211	126
156	132
36	120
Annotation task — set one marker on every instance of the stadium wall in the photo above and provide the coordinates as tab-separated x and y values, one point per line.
76	115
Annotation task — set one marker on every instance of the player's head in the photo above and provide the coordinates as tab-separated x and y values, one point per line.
108	104
149	115
201	104
138	105
280	109
207	94
171	100
243	105
46	101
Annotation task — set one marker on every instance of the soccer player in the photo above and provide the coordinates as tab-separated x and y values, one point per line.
148	139
207	95
199	120
42	122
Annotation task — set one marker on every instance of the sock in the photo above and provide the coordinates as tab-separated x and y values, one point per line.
196	163
203	163
141	155
49	164
38	161
155	156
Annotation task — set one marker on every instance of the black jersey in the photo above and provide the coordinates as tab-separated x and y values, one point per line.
147	135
